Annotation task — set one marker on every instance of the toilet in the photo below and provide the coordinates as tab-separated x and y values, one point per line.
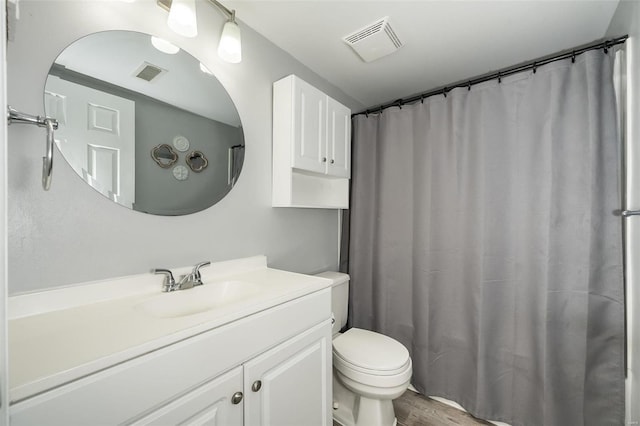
369	369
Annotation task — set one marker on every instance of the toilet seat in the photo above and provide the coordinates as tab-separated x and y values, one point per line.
371	358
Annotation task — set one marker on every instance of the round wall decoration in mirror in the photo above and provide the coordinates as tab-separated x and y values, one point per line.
181	143
180	172
117	98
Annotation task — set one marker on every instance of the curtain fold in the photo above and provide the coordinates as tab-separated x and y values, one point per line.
483	237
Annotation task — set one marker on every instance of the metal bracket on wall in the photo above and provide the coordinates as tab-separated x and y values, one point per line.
627	213
51	124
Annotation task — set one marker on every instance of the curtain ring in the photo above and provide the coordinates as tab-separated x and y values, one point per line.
469	85
573	57
606	47
421	99
444	92
381	108
366	113
499	77
535	67
399	103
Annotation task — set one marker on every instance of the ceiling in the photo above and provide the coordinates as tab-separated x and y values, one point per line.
444	41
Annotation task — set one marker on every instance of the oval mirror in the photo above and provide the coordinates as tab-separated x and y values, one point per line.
118	97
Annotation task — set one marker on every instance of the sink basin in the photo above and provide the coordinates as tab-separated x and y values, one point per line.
198	299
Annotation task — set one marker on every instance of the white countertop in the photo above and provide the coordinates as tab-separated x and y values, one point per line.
98	329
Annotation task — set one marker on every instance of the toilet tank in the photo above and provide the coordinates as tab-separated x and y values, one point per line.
339	298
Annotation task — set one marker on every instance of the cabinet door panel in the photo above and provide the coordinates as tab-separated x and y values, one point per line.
208	405
295	382
310	128
339	139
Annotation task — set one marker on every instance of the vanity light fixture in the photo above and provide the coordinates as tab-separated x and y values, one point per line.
182	20
164	46
230	46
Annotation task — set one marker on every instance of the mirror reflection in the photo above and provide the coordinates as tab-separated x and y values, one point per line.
118	98
164	155
197	161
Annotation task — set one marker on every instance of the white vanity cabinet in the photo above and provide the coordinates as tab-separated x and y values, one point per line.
311	147
210	378
210	404
288	384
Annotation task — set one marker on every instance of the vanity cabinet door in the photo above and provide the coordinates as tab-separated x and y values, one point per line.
212	404
338	139
309	127
290	385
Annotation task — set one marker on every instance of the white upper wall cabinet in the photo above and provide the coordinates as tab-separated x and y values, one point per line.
311	147
308	125
338	139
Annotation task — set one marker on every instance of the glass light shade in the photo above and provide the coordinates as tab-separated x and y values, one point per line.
182	18
230	47
164	46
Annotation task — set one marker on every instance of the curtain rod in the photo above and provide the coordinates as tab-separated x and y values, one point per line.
533	65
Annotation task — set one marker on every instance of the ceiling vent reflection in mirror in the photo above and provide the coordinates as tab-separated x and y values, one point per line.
148	72
374	41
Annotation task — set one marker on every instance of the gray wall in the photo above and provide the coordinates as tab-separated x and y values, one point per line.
71	234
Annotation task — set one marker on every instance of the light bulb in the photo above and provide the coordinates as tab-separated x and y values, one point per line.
230	46
182	18
164	46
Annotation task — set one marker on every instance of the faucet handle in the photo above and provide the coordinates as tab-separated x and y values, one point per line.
169	281
196	271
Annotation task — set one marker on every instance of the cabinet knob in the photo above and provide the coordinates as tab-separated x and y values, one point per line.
236	398
256	386
324	159
333	161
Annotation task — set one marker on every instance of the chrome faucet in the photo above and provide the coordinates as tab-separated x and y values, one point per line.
194	278
169	282
186	282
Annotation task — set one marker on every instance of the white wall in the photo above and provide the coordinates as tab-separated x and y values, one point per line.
71	234
627	21
4	382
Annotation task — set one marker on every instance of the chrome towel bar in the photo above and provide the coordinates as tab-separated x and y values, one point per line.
51	124
627	213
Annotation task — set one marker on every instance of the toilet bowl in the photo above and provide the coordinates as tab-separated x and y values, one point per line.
369	369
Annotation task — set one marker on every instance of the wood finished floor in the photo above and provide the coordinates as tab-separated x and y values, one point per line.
413	409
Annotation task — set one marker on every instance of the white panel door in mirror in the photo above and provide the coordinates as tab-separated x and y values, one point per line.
103	118
105	124
56	106
103	170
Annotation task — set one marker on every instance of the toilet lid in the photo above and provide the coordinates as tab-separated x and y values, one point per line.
370	350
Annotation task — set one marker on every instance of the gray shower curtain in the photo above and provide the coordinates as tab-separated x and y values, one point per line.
484	236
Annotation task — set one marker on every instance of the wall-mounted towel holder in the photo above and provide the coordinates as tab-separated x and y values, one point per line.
51	124
627	213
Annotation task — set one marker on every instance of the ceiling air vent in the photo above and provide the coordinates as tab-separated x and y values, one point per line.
148	71
374	41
